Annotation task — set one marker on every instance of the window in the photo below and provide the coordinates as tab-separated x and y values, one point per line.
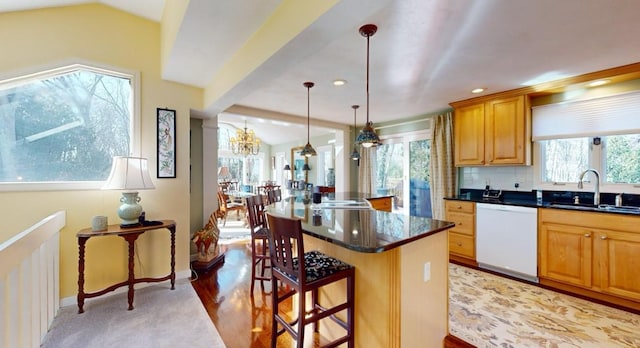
64	126
602	133
402	170
246	170
615	157
564	159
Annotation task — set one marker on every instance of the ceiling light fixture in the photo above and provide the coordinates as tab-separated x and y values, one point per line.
308	150
477	90
598	83
339	82
355	155
368	136
245	142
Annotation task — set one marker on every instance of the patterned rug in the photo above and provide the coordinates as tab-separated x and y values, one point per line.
234	231
491	311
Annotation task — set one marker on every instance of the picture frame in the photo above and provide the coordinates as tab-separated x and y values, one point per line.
166	150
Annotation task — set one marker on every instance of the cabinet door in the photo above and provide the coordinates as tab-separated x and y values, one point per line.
505	130
566	253
619	259
468	128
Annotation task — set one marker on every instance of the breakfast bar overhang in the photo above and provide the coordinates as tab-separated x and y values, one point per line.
401	267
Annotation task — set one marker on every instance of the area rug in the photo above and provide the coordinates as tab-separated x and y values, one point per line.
161	318
491	311
234	231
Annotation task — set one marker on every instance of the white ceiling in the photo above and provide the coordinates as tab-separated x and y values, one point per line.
425	54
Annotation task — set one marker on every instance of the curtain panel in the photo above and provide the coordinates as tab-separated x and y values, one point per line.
444	179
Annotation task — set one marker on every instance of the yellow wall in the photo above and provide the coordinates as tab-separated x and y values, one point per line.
110	37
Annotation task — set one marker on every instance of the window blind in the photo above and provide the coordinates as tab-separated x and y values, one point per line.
610	115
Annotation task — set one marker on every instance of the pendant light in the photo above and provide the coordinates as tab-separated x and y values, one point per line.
368	136
355	155
308	150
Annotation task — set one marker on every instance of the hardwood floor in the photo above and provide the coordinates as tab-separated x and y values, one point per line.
242	321
225	292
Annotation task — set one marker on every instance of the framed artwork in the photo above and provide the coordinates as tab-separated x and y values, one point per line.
166	143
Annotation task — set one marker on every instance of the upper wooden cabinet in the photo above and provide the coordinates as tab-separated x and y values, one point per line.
493	132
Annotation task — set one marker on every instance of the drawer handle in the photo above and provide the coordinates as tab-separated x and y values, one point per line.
587	235
459	207
459	223
459	244
603	237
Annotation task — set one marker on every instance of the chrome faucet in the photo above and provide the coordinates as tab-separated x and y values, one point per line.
596	193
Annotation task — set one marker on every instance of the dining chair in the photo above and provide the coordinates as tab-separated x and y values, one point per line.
303	272
226	207
259	241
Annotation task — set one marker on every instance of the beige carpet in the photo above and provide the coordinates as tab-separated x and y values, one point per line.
491	311
161	318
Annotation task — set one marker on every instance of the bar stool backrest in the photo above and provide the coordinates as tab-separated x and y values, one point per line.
285	241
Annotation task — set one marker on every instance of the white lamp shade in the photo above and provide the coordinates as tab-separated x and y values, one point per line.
129	173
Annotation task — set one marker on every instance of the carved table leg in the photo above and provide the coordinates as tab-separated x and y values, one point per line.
81	244
131	238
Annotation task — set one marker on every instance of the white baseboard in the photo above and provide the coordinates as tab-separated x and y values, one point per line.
73	300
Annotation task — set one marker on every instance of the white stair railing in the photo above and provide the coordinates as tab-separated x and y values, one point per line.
30	282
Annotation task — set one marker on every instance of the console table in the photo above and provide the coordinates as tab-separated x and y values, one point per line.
130	235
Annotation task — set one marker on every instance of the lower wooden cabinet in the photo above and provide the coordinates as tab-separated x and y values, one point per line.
593	254
462	237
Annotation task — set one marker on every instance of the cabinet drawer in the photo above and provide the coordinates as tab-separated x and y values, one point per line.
460	206
464	222
462	245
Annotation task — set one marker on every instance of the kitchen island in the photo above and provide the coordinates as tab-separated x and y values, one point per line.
401	268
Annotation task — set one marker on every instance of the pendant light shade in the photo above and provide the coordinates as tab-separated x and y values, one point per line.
368	136
308	150
355	155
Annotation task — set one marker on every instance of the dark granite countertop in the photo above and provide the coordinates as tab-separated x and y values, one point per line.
554	200
363	230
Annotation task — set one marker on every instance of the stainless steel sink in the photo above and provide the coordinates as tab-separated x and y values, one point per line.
601	207
579	206
624	209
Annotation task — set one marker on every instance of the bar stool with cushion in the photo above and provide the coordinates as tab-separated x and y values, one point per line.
259	240
315	271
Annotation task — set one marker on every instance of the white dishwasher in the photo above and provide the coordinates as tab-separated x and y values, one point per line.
507	239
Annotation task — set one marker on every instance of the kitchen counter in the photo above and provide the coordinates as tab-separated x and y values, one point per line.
356	226
401	269
526	199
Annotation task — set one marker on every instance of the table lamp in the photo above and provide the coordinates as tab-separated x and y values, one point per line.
224	174
129	174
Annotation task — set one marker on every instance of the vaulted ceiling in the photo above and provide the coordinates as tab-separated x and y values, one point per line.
252	56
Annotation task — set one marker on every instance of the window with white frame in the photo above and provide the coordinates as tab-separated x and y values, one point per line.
602	133
63	126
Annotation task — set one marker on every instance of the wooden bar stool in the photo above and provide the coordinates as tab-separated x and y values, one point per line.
315	271
258	229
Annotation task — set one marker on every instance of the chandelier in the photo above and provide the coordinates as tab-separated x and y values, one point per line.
245	142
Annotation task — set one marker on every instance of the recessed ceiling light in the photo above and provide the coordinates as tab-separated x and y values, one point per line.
598	83
477	90
339	82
